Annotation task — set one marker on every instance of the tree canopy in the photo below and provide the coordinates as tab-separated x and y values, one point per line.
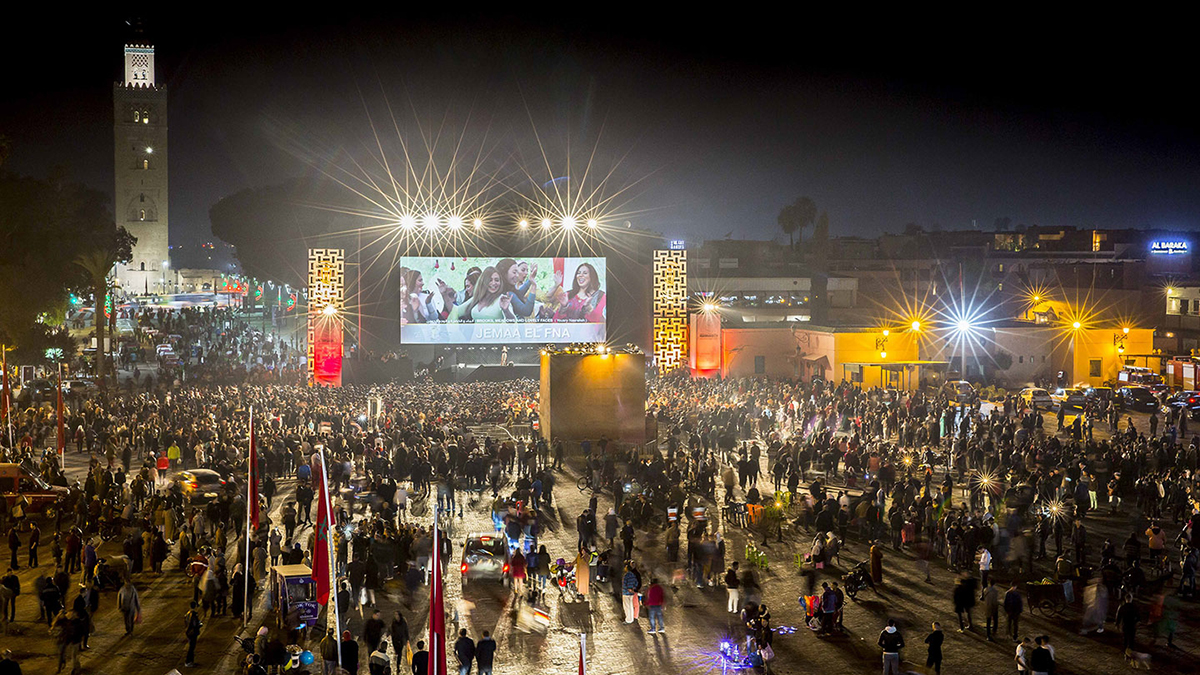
45	224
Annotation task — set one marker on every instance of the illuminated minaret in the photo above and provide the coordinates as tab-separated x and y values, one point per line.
140	132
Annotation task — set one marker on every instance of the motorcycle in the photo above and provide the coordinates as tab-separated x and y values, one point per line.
856	579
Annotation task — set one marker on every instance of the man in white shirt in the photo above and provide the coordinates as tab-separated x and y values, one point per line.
985	566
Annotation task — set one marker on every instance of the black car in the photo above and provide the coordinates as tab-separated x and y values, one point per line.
1188	400
1104	394
36	391
1138	399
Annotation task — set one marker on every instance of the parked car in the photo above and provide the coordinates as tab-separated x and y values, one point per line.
1102	394
1031	396
959	391
80	387
1187	400
1070	397
16	481
36	391
199	486
1138	399
485	556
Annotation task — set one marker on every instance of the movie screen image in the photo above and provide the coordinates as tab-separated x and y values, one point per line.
472	300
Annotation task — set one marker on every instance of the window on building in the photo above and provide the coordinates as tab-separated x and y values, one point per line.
1094	368
142	214
1020	359
143	267
145	164
146	117
137	116
760	365
142	198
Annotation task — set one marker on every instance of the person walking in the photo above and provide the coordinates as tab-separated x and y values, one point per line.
420	661
329	653
485	652
129	604
1127	618
349	650
379	663
191	630
373	631
934	641
464	649
891	642
1014	605
400	634
964	600
732	588
654	605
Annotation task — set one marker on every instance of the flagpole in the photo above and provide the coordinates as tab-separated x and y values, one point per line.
246	572
8	412
62	441
329	518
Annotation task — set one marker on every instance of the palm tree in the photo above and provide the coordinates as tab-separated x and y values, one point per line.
796	216
98	262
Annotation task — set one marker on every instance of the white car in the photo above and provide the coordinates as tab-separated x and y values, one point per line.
1031	396
1072	398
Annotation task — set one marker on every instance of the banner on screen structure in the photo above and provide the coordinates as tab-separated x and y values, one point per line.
502	300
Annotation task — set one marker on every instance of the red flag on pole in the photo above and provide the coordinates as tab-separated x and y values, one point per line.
437	612
62	432
320	554
4	396
252	493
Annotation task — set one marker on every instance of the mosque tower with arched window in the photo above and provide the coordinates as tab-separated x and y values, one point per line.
140	132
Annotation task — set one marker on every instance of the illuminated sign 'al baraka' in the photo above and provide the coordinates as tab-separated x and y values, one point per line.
1169	247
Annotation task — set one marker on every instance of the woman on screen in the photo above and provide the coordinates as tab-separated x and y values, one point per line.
585	302
418	303
488	304
518	284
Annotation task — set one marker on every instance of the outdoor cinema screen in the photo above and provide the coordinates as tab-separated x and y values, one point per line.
502	300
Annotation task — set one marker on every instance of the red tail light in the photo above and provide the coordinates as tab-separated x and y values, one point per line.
464	568
505	569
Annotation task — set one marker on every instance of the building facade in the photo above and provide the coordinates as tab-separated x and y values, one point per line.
140	168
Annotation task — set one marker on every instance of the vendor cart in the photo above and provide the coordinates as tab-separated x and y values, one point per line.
1046	598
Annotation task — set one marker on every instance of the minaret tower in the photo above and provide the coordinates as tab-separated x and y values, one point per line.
140	132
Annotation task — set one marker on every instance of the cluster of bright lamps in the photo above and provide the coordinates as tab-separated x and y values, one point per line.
432	221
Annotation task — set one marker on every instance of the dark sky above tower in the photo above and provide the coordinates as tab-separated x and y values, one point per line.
720	119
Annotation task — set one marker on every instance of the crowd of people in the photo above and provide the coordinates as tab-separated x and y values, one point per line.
982	489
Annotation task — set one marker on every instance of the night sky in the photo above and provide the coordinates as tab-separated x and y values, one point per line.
720	120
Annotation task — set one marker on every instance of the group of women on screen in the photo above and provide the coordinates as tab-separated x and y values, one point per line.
506	291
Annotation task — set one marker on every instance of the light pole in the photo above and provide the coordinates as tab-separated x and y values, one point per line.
165	264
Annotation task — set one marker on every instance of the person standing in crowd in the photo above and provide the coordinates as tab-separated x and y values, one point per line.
191	630
891	642
329	653
1014	606
991	609
732	589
